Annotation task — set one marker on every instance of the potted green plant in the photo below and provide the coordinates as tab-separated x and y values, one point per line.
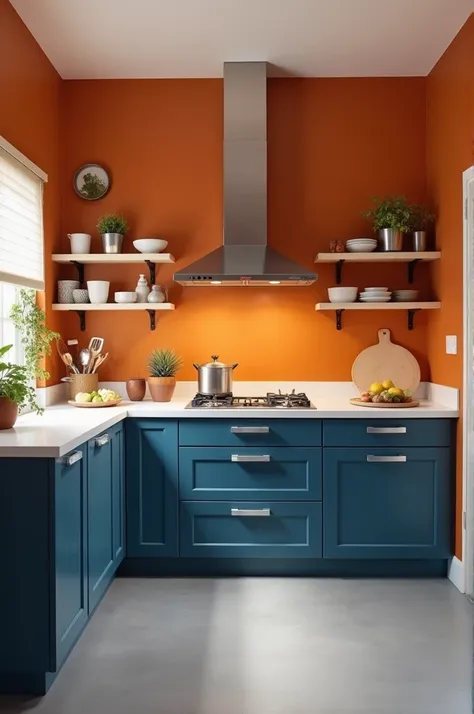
419	221
112	228
390	217
15	391
162	367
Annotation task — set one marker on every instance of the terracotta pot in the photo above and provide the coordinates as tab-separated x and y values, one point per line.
8	413
136	389
161	388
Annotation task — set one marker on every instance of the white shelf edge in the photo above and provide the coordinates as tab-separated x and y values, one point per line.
389	257
117	258
328	306
110	306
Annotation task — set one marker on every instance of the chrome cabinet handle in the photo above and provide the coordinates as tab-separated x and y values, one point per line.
386	430
250	458
102	440
73	458
250	429
386	459
250	512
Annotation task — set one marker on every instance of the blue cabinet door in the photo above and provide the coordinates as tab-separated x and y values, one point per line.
118	494
70	551
387	502
152	488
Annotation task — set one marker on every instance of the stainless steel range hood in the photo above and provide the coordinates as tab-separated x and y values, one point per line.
245	258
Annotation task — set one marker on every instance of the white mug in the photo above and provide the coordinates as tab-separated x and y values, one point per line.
98	291
80	242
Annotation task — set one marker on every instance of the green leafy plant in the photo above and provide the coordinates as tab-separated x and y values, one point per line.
15	383
36	338
92	186
420	218
112	223
164	363
390	212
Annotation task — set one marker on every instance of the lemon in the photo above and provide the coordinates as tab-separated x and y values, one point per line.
387	384
376	388
395	392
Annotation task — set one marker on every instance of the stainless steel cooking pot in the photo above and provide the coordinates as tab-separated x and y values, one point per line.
215	377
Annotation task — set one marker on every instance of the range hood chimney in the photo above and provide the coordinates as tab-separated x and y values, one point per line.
245	258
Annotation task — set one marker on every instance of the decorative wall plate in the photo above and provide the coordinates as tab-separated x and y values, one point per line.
91	182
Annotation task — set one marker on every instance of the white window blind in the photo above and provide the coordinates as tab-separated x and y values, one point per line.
21	220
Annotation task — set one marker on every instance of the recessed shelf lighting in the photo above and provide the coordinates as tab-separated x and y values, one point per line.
274	282
216	282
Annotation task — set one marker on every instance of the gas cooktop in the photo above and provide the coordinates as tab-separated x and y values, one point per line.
270	401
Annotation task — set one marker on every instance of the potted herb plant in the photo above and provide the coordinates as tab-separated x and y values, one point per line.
15	391
391	218
162	366
112	228
419	221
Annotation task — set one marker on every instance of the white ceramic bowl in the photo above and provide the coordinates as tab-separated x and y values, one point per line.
376	294
342	294
376	298
361	240
150	245
361	247
406	295
376	290
98	291
125	297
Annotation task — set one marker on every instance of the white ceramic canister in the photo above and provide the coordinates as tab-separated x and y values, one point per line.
157	294
98	291
142	289
80	242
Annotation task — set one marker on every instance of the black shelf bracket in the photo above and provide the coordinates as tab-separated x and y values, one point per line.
152	319
411	317
411	269
339	318
152	269
339	265
80	270
82	319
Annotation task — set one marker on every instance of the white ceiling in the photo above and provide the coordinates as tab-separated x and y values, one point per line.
192	38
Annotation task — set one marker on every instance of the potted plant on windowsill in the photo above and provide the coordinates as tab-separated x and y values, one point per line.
419	221
162	366
112	228
390	218
15	391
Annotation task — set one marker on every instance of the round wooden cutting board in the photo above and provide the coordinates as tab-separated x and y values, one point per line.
357	402
386	361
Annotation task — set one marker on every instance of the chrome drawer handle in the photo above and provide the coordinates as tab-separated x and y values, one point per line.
250	512
102	440
250	458
250	429
386	459
73	458
386	430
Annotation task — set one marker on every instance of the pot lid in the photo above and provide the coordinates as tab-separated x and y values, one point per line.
215	363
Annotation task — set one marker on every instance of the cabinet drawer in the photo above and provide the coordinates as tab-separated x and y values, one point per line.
264	529
282	474
387	432
250	432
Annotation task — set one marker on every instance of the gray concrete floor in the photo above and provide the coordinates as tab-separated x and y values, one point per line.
269	646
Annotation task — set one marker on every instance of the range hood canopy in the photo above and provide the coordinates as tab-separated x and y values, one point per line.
245	258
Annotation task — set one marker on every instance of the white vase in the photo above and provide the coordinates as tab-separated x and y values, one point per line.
98	291
157	294
142	289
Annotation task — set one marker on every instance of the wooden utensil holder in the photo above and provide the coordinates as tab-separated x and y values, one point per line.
83	383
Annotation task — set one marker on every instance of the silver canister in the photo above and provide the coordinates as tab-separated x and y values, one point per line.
215	377
390	239
419	241
112	242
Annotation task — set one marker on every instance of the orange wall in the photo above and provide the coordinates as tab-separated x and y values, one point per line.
333	143
450	135
30	120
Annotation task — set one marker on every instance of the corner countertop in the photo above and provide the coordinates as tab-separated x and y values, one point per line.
63	427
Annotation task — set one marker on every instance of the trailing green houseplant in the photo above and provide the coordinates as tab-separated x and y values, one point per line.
162	367
112	223
36	338
15	390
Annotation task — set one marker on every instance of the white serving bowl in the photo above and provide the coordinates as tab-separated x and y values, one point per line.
342	294
98	291
125	297
375	294
376	290
361	240
376	298
150	245
405	295
361	247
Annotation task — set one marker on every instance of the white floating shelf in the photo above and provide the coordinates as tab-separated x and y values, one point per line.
410	307
95	258
392	257
113	306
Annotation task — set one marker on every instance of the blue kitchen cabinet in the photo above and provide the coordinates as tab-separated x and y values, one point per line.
152	488
387	503
105	510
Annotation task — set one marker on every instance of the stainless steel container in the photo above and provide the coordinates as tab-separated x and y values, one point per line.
215	377
390	240
112	242
419	241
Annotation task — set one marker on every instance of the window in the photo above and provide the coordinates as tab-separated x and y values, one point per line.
8	334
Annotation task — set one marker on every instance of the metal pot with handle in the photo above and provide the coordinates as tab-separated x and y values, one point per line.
215	377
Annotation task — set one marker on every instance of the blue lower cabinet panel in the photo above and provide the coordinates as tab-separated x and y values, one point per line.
387	503
282	474
250	432
250	530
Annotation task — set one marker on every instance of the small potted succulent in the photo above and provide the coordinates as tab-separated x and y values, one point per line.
15	391
112	228
419	221
391	218
162	367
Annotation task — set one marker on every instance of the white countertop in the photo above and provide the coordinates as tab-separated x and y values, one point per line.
64	427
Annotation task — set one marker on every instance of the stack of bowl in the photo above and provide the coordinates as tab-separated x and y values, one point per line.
361	245
405	295
375	295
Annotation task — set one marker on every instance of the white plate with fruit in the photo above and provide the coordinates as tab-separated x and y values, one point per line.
385	394
94	400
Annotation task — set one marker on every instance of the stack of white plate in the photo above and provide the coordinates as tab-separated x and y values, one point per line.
375	295
361	245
